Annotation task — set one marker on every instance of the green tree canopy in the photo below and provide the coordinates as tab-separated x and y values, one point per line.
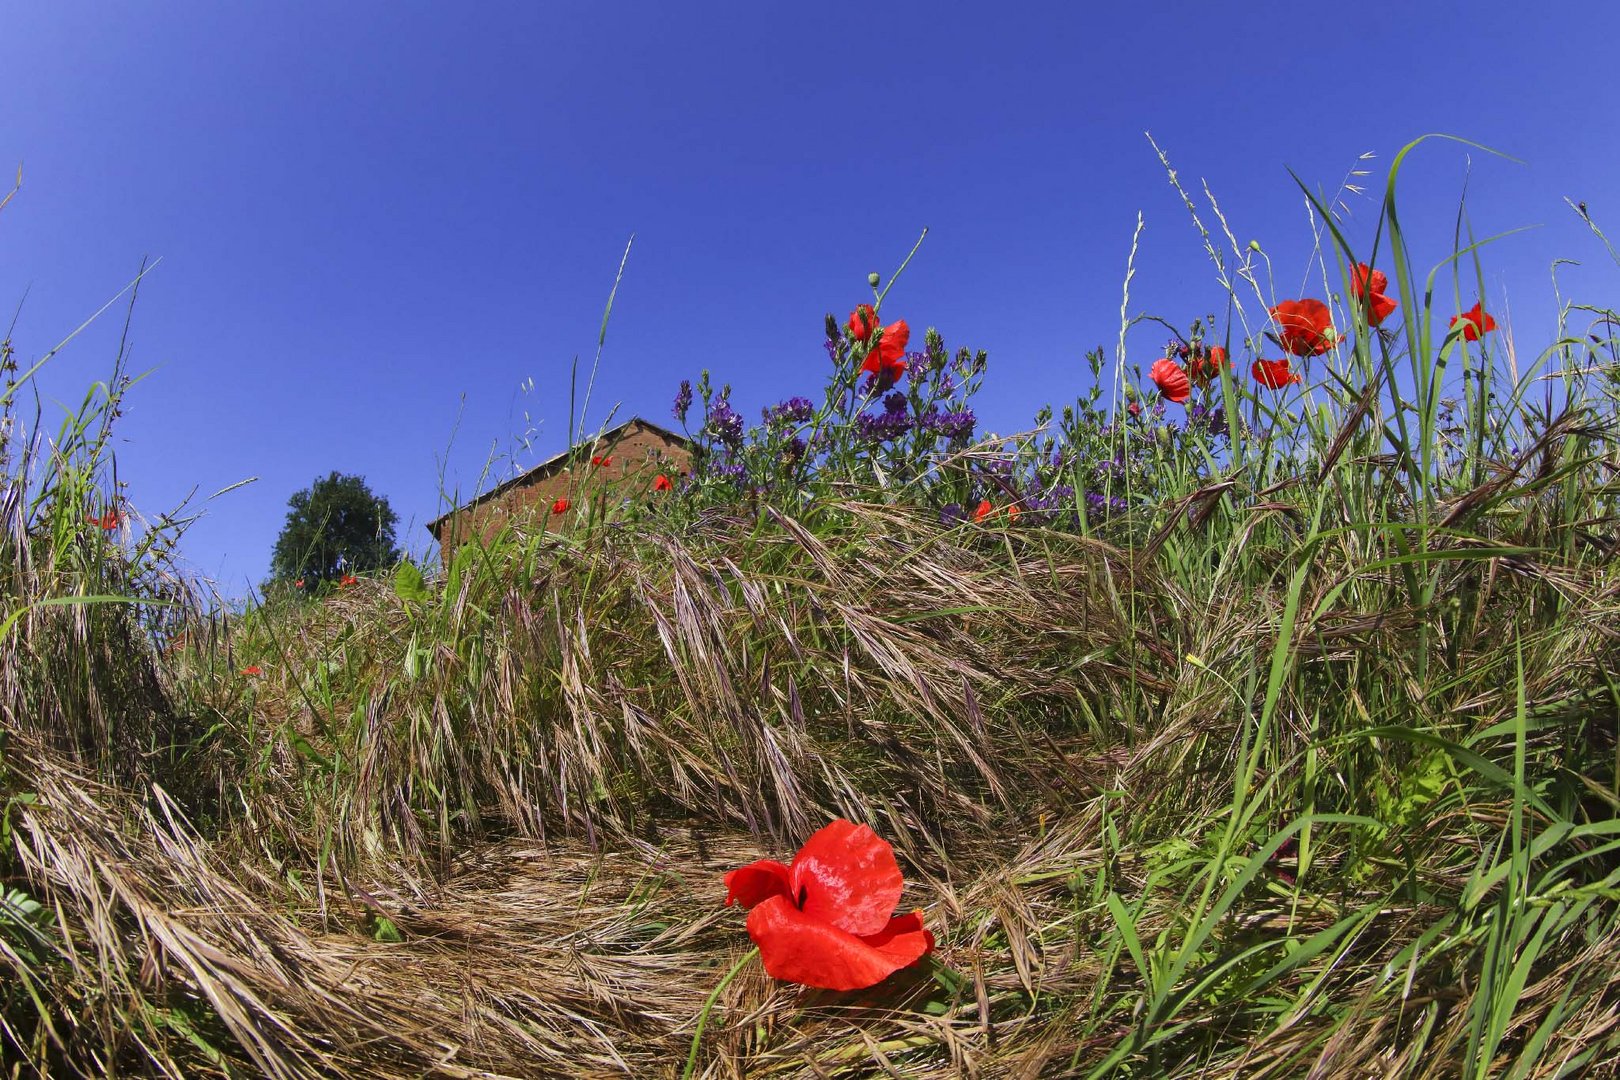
335	526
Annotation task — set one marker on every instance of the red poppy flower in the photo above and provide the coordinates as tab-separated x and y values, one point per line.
1134	408
299	584
1369	284
662	483
1274	374
1304	327
827	920
560	506
1012	513
1170	379
348	580
983	510
253	670
604	462
1475	322
862	321
109	520
884	358
1204	363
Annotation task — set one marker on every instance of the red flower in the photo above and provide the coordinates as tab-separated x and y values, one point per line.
828	919
1012	513
884	358
1204	363
1370	284
862	321
1134	408
560	506
109	520
1475	322
662	483
1274	374
348	580
1304	327
983	510
1170	379
299	584
253	670
604	462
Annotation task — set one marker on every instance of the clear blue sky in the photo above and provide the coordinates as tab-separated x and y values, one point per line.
377	218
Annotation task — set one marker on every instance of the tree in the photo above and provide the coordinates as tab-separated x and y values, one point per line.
335	526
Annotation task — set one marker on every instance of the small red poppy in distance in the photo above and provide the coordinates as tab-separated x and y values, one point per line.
1475	322
109	520
1204	363
1274	374
299	584
253	670
1369	284
560	506
1170	379
983	510
862	321
827	920
1304	327
884	358
662	483
604	462
347	580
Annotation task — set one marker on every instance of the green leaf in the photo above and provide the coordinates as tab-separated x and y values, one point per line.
408	583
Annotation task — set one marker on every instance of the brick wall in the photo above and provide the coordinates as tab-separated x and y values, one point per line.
638	452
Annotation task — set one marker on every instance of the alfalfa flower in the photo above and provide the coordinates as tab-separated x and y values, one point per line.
827	919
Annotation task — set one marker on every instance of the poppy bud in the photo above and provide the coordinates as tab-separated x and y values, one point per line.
872	279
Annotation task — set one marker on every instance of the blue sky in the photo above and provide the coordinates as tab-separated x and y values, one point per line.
378	221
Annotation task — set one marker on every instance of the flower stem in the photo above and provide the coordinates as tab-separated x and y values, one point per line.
708	1006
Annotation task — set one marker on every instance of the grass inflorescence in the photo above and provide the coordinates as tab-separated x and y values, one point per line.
1270	733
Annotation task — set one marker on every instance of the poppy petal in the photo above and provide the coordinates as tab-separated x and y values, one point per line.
892	346
748	885
1382	308
846	875
796	947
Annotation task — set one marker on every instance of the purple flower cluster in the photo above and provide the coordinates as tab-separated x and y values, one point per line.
1102	506
952	514
683	400
954	425
725	423
1212	419
795	410
891	423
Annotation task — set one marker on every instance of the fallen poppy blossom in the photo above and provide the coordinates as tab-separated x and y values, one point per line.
254	670
662	483
1369	285
1170	379
1274	374
560	506
884	358
1304	327
347	580
862	321
827	920
1475	322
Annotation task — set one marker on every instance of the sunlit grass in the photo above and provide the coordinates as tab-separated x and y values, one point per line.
1279	742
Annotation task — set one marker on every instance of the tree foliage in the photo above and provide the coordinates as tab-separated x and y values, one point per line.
335	526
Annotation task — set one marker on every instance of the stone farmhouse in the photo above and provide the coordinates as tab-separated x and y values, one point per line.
630	456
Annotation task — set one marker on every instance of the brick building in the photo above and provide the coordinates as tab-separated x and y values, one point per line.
630	456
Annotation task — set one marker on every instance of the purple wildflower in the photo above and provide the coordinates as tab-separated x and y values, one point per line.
957	424
795	410
724	422
683	400
882	427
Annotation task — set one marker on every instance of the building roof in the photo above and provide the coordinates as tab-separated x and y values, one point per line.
551	464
